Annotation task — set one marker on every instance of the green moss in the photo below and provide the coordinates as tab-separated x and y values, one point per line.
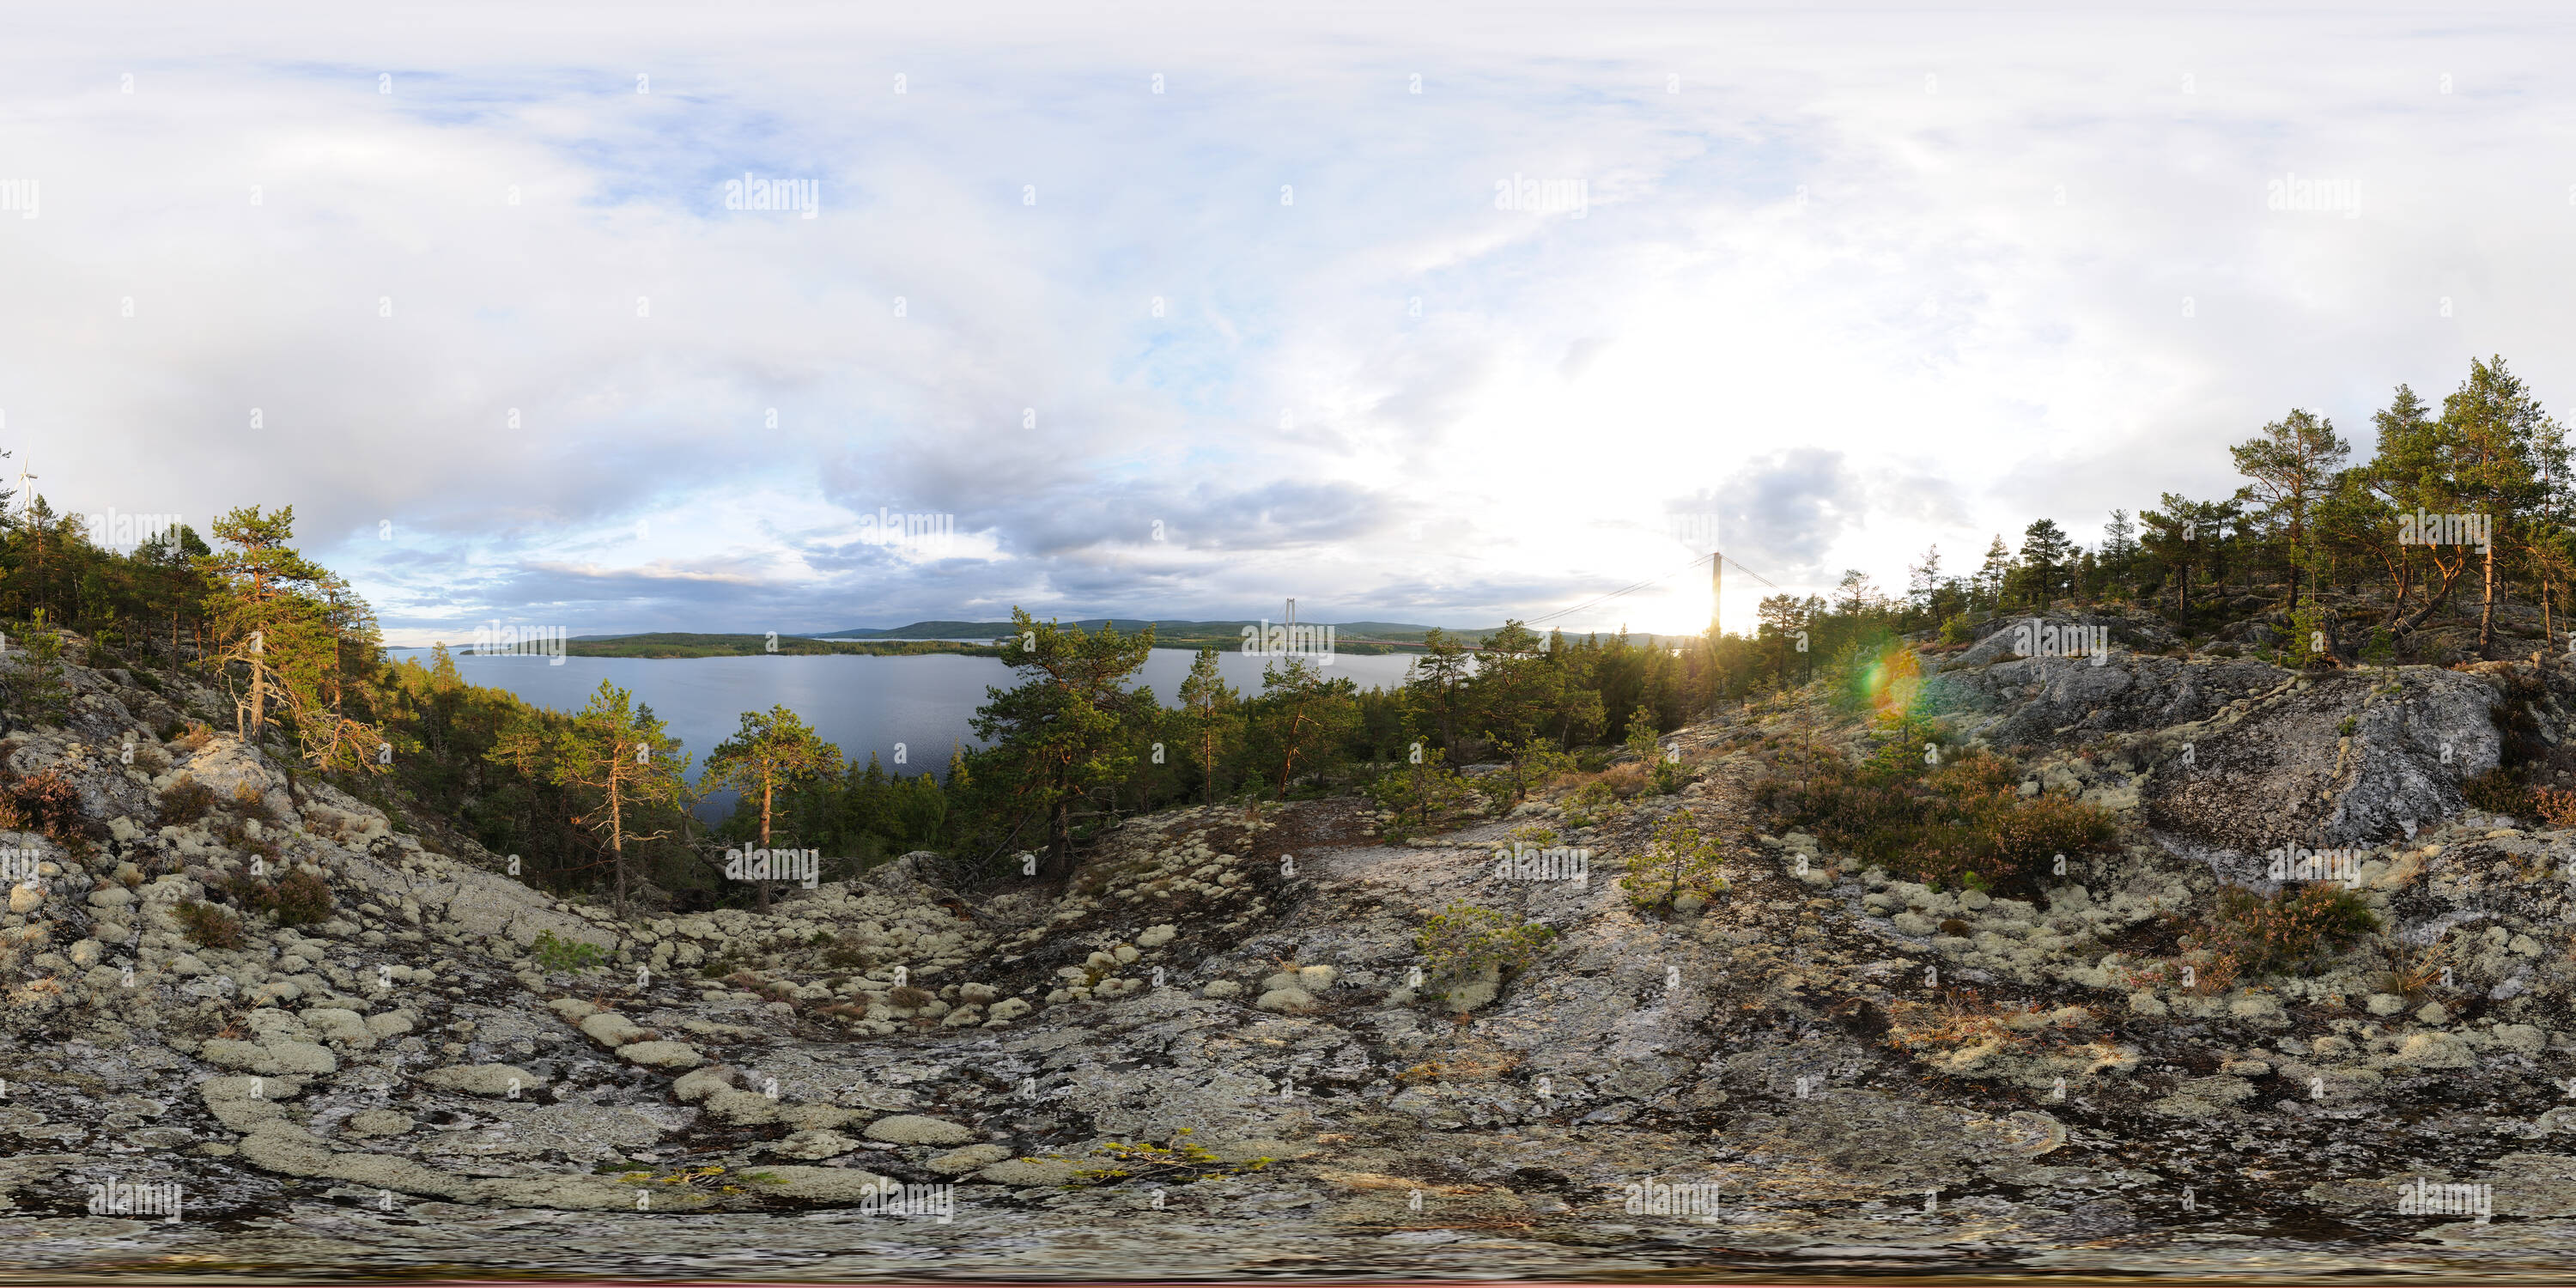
564	955
1682	860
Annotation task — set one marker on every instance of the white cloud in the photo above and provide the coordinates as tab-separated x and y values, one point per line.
1927	341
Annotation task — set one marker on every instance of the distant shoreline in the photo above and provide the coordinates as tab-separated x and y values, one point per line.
682	645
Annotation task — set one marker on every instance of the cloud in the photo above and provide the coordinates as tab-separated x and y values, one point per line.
1862	293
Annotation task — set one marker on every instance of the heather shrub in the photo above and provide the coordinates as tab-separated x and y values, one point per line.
185	802
45	801
1962	820
300	897
2557	806
208	925
2501	791
2296	928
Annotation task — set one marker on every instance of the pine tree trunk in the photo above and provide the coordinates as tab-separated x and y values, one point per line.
2486	614
2432	602
2548	633
1060	862
617	839
763	882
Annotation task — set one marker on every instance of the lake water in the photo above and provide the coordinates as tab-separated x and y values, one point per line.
864	704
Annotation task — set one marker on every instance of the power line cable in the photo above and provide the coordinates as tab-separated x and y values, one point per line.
1562	612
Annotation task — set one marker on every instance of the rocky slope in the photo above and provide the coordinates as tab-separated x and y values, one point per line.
1837	1072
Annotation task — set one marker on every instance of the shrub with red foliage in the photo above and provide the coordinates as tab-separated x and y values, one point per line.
47	802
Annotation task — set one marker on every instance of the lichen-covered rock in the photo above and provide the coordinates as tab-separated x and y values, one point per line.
483	1079
1031	1171
958	1162
2434	1051
661	1055
915	1129
612	1029
838	1186
230	1053
2287	773
814	1145
378	1122
332	1024
741	1108
698	1084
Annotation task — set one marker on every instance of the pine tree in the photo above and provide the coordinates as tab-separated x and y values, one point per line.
2045	554
1923	580
771	750
1438	683
1061	735
620	751
2119	554
2292	465
2407	473
1995	572
1856	593
1514	690
1301	717
2499	445
267	605
1784	618
1207	715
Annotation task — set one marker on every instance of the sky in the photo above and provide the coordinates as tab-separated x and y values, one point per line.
1439	313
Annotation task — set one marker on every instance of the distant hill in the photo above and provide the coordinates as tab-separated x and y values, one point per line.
1187	634
1167	634
681	644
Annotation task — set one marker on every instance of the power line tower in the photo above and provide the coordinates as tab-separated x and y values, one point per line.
1716	591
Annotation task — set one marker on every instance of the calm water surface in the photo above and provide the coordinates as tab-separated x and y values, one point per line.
916	707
